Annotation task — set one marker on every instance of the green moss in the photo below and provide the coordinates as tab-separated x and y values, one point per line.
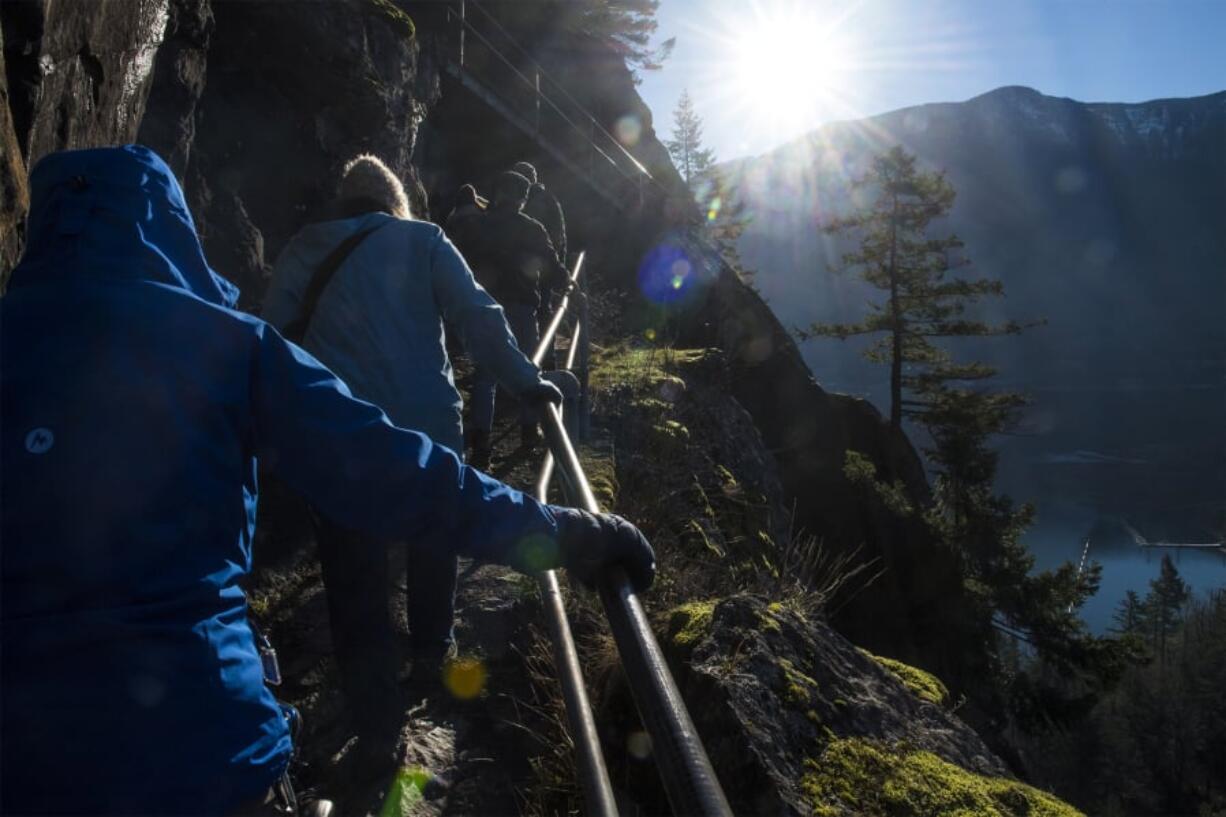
799	688
651	405
688	623
671	431
925	685
768	620
259	606
393	15
862	777
625	366
640	366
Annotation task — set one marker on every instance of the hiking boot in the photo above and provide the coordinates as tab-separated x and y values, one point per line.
480	457
310	806
426	674
530	436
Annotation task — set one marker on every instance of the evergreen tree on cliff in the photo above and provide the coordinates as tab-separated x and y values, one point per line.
1164	604
920	302
626	26
1130	615
685	147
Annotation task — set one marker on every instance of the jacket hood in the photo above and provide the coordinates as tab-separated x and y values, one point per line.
117	213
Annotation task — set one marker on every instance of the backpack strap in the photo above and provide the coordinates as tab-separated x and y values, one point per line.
296	329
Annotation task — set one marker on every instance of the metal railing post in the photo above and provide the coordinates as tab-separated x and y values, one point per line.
463	31
584	336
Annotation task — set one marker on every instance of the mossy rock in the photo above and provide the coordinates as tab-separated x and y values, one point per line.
799	688
641	367
689	623
859	776
925	685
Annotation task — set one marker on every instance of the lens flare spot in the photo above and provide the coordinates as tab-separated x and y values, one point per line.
406	792
638	745
714	208
650	334
666	273
465	678
628	130
536	553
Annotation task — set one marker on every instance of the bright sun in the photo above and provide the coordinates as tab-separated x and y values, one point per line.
788	67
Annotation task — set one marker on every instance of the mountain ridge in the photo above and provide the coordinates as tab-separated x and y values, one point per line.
1106	219
993	94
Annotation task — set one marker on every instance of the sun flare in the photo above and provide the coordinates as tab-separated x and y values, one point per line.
789	65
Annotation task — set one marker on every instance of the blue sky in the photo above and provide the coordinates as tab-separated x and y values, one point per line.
895	53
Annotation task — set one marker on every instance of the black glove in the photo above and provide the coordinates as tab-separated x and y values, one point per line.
540	394
590	543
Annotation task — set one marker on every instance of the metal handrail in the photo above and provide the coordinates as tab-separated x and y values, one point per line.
578	105
638	170
689	780
592	771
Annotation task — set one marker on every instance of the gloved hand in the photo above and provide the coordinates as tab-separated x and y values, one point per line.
540	394
590	543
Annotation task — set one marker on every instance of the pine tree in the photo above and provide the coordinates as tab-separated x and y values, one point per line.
693	160
627	26
896	256
1130	616
1164	604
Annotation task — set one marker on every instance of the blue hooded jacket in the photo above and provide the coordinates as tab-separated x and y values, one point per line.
134	403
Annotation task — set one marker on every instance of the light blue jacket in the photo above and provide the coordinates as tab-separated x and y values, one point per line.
379	324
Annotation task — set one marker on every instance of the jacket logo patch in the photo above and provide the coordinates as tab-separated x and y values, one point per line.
39	441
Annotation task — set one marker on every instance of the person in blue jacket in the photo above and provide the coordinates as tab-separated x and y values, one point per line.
379	325
134	405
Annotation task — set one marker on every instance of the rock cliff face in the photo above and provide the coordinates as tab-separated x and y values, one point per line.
916	608
14	197
253	107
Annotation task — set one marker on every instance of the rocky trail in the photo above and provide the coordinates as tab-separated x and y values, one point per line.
468	746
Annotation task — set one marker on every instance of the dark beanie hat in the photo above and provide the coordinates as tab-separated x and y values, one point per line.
511	186
526	170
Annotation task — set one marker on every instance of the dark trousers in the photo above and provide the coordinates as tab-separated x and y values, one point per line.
356	577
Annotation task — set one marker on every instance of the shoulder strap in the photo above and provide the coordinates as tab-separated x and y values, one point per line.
296	329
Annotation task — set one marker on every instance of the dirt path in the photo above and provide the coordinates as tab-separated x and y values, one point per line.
466	755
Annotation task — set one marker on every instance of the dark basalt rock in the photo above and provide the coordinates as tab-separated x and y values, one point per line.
96	64
14	197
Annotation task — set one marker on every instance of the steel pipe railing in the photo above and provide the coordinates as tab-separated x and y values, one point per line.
689	780
592	771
